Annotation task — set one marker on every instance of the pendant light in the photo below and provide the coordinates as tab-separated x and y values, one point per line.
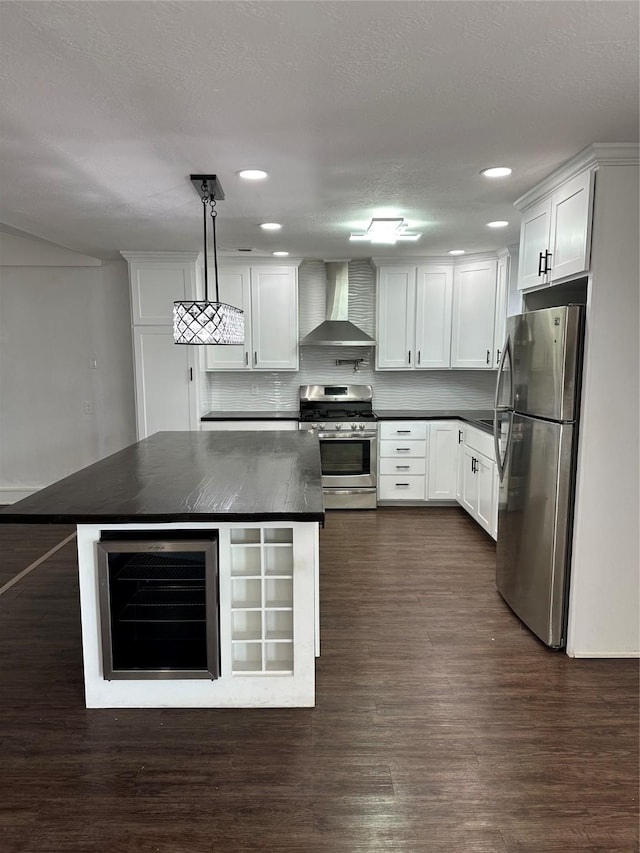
208	322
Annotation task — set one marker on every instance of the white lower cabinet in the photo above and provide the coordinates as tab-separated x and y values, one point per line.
477	480
417	461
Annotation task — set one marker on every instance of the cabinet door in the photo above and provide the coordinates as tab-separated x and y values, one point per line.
500	325
474	297
443	457
535	230
571	213
165	388
156	285
234	288
395	318
434	294
274	318
486	494
468	482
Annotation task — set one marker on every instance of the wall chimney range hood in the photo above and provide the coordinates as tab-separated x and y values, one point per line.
337	330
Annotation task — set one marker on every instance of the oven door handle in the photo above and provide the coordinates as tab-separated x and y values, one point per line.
335	436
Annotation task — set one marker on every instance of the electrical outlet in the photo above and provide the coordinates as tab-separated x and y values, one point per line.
88	407
254	390
93	364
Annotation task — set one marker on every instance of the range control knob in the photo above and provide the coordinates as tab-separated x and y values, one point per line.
354	426
321	426
361	426
314	426
338	426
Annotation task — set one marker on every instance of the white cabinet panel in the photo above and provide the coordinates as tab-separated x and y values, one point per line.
274	318
534	241
400	447
234	288
401	487
571	227
165	387
268	295
434	289
395	306
477	481
396	466
555	234
502	292
403	429
443	456
474	294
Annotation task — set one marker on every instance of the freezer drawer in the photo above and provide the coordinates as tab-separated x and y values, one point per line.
534	525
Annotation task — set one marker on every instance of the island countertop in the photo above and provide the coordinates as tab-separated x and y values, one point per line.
188	476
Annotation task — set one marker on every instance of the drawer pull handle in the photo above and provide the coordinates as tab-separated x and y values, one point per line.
402	484
403	448
402	467
404	431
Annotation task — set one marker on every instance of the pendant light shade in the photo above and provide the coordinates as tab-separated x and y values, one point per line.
208	322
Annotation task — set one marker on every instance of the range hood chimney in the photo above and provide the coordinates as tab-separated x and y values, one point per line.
337	331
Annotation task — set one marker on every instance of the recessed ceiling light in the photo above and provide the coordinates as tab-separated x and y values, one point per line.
497	223
280	254
456	251
271	226
252	174
496	172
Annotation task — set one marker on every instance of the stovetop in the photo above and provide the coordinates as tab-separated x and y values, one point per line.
328	413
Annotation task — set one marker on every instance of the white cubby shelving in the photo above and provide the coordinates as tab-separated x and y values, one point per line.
261	601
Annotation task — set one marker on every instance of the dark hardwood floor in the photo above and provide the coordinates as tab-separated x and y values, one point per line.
441	724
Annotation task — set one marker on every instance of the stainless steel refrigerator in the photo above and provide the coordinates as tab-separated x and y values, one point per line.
535	433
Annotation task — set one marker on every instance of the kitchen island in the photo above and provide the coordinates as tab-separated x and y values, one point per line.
258	496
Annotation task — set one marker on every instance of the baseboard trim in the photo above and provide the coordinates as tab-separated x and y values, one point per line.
12	494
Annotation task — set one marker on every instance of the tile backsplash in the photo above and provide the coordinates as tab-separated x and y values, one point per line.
420	389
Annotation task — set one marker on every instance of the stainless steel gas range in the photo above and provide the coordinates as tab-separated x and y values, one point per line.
343	418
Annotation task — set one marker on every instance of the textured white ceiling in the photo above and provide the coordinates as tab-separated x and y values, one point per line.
354	108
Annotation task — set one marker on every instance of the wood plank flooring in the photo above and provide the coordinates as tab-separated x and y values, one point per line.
441	724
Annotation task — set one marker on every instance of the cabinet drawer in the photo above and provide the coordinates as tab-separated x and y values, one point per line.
480	441
399	488
403	429
398	468
401	447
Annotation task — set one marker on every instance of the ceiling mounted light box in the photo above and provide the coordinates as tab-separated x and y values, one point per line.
208	322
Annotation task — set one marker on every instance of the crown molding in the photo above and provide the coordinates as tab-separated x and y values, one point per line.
591	157
161	257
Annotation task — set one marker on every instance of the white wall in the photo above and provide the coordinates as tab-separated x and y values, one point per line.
53	321
604	618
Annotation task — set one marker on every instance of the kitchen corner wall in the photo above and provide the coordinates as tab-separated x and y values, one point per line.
419	389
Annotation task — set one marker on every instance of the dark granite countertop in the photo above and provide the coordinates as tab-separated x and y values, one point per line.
189	476
252	416
471	416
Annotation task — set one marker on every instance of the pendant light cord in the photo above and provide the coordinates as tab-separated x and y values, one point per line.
214	213
205	200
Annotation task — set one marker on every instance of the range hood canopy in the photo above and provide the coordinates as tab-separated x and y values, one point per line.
337	330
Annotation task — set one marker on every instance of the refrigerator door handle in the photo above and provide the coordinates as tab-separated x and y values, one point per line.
498	409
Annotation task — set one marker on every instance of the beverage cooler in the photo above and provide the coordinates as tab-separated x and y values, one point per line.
159	606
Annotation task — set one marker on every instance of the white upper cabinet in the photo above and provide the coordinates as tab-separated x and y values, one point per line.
157	280
502	293
395	311
436	316
268	295
474	298
434	289
234	288
555	233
